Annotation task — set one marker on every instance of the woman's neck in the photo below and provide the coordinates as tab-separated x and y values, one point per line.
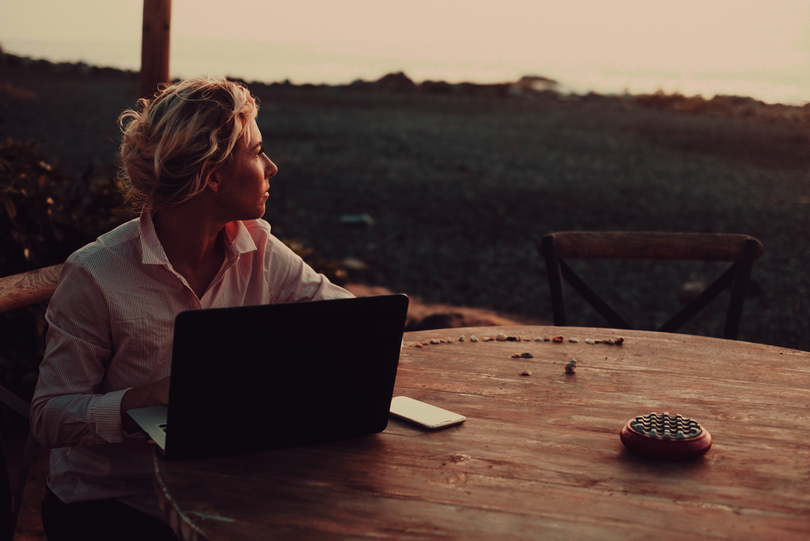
192	242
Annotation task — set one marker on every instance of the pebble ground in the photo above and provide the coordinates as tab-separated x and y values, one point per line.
460	188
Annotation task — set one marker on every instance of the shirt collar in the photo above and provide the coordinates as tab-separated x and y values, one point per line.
152	251
237	241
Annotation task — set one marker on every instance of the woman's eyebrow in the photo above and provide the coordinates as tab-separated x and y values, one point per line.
256	145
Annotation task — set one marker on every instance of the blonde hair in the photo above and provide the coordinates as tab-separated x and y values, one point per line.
178	138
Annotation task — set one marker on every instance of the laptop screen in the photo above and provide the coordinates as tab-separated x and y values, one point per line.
278	375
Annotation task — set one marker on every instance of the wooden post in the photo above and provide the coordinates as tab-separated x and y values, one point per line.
155	45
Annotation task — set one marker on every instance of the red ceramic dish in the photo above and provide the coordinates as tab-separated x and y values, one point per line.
666	437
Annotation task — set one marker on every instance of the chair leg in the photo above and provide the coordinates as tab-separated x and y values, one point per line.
555	282
22	478
5	496
735	306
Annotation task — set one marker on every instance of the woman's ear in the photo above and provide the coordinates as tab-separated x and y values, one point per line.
213	179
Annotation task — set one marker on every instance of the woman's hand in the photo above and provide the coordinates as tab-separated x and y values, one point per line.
151	394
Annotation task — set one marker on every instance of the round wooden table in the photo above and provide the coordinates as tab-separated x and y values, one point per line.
539	456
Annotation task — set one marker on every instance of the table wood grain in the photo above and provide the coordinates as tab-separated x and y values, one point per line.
539	456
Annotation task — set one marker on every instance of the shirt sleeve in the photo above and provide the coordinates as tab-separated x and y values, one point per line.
68	408
290	279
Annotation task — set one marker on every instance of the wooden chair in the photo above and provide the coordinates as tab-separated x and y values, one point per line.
18	291
740	250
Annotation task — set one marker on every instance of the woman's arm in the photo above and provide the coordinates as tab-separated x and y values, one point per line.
292	280
74	403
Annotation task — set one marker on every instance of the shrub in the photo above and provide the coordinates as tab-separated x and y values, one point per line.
44	217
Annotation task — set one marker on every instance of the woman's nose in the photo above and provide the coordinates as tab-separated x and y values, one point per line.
271	168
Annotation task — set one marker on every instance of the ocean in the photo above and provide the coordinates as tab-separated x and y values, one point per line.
328	64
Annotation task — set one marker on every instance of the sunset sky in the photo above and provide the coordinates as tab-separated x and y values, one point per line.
730	46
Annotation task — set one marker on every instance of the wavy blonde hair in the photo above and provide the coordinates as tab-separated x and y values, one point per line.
177	139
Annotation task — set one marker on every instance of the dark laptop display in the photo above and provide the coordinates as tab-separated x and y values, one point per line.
258	377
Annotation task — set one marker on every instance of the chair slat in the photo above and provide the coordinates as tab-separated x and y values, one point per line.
593	299
652	245
701	301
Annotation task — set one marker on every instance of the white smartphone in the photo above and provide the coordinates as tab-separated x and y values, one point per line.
425	415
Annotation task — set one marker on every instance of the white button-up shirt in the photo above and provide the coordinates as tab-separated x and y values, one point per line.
111	323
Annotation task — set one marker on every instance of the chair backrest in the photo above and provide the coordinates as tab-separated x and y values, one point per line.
28	287
740	250
18	291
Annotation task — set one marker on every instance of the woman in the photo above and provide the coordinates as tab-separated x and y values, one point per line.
192	159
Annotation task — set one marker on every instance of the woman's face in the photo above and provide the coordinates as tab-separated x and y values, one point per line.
245	180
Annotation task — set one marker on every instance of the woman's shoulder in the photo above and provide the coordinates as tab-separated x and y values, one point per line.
113	244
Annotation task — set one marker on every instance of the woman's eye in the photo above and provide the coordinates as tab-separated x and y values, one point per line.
261	151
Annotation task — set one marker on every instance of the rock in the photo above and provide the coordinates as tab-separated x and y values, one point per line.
435	87
364	220
571	367
529	84
437	321
352	263
397	83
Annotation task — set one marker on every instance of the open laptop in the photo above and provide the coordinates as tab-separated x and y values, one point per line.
258	377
